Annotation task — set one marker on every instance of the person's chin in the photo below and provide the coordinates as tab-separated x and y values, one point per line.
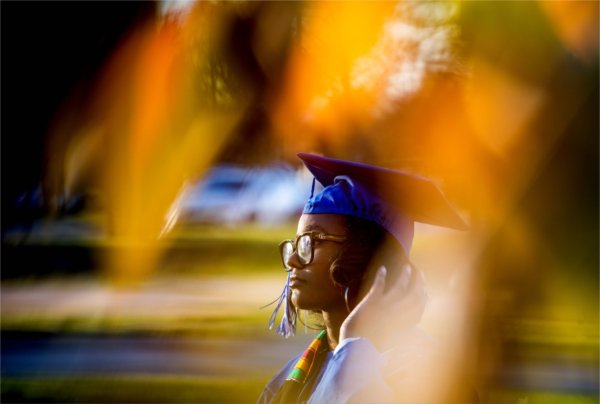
298	301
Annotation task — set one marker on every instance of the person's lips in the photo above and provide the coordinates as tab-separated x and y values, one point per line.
296	281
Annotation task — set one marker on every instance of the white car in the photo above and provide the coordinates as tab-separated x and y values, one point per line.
232	194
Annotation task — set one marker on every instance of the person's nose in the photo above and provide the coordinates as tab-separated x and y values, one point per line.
294	262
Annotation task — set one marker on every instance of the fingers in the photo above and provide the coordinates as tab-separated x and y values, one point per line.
405	277
402	284
409	289
378	282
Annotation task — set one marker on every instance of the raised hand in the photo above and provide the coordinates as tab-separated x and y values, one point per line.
382	314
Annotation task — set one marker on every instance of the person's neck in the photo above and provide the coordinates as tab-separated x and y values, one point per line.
333	322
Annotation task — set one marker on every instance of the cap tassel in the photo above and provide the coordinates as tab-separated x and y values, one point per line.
287	326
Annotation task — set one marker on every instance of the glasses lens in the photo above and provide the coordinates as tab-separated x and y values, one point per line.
304	249
287	249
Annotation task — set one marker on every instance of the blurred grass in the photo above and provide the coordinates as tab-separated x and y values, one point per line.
133	389
247	232
212	281
198	305
209	250
69	248
179	389
197	326
534	397
209	278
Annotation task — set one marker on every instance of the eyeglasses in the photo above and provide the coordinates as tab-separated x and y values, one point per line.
303	246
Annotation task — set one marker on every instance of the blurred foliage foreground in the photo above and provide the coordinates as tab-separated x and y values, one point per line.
498	100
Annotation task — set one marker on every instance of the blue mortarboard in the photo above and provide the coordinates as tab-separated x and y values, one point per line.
393	199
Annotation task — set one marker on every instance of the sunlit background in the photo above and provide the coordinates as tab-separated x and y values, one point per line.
149	173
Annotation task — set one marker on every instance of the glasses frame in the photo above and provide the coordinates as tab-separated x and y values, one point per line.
314	236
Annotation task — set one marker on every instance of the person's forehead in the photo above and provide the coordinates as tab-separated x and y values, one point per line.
325	223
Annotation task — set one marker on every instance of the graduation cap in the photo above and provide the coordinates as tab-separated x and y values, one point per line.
393	199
